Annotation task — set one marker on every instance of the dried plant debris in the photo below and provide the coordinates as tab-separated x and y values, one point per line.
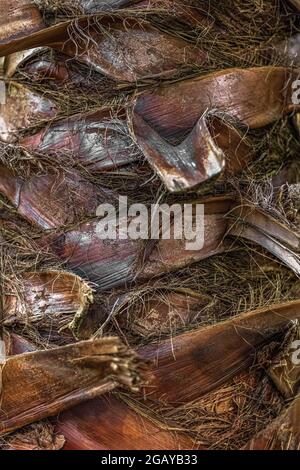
223	419
134	51
155	311
69	195
296	121
113	262
203	154
261	228
284	369
37	436
47	299
78	7
19	20
127	52
198	295
296	3
54	10
59	378
257	97
287	51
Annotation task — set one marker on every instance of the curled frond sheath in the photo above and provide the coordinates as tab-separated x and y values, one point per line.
23	109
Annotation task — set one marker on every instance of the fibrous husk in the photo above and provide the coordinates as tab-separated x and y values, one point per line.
288	51
169	254
14	61
127	49
113	262
284	254
21	250
201	360
180	9
85	425
132	50
50	300
82	6
52	380
109	263
49	69
156	311
223	419
208	290
260	227
109	424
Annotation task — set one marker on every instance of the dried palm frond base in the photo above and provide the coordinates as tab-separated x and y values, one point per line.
248	410
47	300
109	424
224	419
202	294
56	379
281	434
284	369
145	98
